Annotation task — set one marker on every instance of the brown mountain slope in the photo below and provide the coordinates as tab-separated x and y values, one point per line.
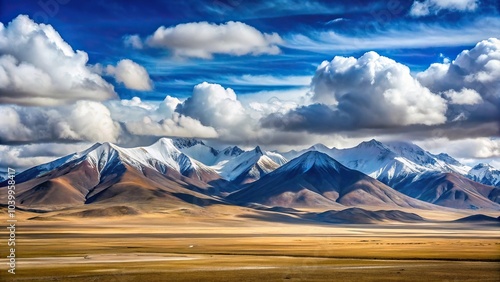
362	216
109	179
451	190
315	179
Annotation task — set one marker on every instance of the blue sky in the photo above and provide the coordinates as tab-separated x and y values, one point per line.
282	74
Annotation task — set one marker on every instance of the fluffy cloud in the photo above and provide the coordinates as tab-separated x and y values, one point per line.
135	109
479	148
168	106
463	97
83	120
215	106
427	7
37	67
376	90
131	74
474	72
131	110
203	40
273	105
145	120
125	122
370	92
472	68
237	122
25	156
178	125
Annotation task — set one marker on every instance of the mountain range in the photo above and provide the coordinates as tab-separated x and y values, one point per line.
314	179
187	171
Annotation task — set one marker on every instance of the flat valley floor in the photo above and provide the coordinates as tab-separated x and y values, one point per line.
227	244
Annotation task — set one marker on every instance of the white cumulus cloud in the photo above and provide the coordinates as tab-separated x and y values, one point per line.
376	91
37	67
125	122
475	71
131	74
203	40
26	156
479	148
215	106
463	97
144	120
83	120
178	125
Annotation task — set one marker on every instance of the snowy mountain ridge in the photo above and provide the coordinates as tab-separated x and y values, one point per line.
232	163
486	174
389	162
247	166
161	156
401	166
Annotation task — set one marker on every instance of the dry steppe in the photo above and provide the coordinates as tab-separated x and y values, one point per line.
228	243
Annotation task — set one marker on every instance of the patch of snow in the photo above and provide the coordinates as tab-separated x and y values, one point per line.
202	153
276	157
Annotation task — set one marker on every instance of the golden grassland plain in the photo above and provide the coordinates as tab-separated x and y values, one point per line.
229	244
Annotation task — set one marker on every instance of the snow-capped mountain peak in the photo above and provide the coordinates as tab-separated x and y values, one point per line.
372	147
371	143
163	150
108	159
485	174
105	157
247	166
393	161
47	167
389	162
312	159
404	166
